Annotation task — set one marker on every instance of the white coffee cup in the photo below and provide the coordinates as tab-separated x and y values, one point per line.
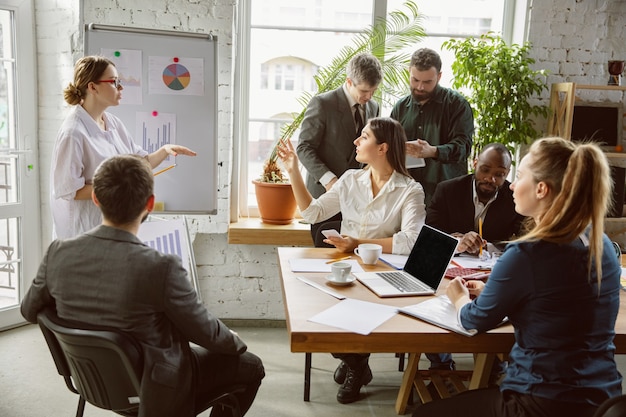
369	252
341	271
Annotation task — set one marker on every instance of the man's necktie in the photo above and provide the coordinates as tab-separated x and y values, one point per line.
358	120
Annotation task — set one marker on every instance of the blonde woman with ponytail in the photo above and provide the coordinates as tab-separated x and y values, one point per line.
559	287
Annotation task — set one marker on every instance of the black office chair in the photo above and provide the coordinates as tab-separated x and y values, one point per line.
613	407
106	366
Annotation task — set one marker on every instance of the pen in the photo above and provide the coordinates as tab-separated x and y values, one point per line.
480	233
477	275
458	265
338	259
164	169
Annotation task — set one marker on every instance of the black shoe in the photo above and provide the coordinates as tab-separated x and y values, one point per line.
340	373
355	379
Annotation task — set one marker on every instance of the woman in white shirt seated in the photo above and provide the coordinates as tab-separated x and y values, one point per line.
380	203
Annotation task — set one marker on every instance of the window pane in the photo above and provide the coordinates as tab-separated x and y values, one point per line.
465	17
9	262
280	56
290	40
8	163
344	14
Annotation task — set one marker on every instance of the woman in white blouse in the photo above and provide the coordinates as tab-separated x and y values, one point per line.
380	203
87	137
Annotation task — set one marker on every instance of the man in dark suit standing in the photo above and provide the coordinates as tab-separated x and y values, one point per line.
459	203
332	121
108	277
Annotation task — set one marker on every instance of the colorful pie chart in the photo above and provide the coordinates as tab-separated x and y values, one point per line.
176	77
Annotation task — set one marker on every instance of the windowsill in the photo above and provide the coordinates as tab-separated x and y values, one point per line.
252	231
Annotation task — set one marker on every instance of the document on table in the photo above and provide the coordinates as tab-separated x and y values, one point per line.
441	312
472	261
394	261
356	316
319	265
438	311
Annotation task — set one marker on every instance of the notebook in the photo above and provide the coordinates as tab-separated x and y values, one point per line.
438	311
423	271
441	312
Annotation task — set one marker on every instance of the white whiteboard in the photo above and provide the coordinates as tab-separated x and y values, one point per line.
170	77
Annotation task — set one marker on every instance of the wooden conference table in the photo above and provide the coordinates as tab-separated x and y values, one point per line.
399	334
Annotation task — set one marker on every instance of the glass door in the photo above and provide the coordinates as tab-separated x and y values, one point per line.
20	248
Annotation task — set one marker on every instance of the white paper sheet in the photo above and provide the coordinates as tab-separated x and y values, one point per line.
395	261
319	265
355	316
470	261
412	162
439	311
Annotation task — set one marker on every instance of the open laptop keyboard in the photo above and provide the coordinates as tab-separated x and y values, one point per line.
402	282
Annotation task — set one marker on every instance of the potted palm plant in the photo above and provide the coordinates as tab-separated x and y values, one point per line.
501	83
386	40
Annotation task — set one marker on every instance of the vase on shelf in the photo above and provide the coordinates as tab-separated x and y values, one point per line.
276	202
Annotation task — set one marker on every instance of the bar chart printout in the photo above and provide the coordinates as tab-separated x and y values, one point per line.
162	136
169	244
154	130
168	237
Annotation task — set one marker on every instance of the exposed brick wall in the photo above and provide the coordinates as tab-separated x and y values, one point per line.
574	39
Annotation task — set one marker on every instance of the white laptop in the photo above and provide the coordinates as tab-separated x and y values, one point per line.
423	271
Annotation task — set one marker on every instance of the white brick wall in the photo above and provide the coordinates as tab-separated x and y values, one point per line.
570	37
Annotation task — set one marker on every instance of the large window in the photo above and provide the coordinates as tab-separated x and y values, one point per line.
285	42
20	234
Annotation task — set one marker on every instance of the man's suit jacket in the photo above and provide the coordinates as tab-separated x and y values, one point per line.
326	137
108	277
452	210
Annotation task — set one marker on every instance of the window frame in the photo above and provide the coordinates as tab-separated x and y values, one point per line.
514	28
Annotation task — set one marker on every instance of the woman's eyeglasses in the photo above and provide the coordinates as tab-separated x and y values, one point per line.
115	81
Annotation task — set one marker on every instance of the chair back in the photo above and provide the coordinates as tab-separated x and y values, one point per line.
105	364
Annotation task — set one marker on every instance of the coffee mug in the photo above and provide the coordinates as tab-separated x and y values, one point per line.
341	271
369	252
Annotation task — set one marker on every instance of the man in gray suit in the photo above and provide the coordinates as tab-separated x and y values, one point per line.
108	277
332	121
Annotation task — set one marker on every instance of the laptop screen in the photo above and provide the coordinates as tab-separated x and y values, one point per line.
430	256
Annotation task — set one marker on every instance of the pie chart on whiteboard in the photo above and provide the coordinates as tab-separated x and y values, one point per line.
176	77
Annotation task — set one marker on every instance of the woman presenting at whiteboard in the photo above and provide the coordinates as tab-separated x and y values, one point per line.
87	137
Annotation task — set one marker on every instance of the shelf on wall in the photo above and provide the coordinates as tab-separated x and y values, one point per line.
252	231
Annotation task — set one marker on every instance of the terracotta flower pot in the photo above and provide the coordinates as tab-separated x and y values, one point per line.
276	202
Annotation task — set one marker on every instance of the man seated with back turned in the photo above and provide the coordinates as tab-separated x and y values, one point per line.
108	277
458	203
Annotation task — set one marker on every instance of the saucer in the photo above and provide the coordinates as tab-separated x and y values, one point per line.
331	280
